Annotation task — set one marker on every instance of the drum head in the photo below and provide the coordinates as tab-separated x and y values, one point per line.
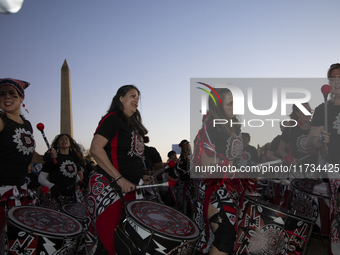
44	221
75	210
162	219
311	186
266	230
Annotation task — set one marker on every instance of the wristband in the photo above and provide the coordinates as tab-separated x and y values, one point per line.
119	178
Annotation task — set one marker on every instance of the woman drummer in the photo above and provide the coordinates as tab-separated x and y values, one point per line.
17	145
218	199
319	138
61	177
117	147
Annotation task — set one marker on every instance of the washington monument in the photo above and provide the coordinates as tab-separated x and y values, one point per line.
66	124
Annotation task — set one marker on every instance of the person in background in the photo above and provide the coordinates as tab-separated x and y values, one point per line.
61	177
250	151
295	138
92	162
187	188
272	153
118	148
86	170
152	160
263	153
328	141
152	163
170	172
32	183
170	175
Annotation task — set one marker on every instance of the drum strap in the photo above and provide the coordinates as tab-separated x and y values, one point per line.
113	183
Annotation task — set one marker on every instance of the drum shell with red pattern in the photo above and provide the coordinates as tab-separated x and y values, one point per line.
167	230
310	203
269	229
38	230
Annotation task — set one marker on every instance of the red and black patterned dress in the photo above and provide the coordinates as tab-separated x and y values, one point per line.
224	193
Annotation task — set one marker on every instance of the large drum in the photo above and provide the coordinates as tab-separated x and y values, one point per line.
312	200
269	229
76	211
38	230
162	227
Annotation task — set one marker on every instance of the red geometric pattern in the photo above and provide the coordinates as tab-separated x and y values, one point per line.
45	221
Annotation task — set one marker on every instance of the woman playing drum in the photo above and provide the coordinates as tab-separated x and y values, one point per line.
218	199
117	147
61	177
319	137
17	145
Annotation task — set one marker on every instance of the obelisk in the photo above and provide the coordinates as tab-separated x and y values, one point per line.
66	124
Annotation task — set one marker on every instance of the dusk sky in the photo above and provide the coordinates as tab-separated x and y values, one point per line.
158	45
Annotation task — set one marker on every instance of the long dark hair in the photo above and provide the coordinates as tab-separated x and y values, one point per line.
75	150
216	111
135	121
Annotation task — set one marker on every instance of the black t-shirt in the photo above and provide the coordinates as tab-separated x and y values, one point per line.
171	171
274	146
251	154
228	146
151	157
125	147
16	151
296	139
333	156
63	174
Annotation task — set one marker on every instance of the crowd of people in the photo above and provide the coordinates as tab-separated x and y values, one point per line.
119	159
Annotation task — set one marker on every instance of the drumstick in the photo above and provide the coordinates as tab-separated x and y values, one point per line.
169	183
326	89
170	164
278	161
41	127
288	159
